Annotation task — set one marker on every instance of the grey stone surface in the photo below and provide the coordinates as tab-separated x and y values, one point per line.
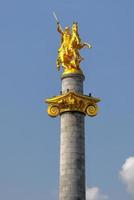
72	149
72	82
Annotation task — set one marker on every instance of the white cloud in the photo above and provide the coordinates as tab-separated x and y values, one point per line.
94	193
127	174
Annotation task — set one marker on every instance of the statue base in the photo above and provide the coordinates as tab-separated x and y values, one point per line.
71	71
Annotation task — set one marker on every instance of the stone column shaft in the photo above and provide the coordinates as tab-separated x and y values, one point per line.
72	147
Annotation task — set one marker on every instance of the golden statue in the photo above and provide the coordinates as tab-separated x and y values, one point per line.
68	54
69	58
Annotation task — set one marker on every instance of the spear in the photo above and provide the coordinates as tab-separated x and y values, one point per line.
57	19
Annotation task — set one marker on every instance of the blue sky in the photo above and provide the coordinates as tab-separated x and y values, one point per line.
29	139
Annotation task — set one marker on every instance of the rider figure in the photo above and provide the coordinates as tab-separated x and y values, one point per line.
65	41
68	53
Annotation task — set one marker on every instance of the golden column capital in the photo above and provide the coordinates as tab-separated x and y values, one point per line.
72	102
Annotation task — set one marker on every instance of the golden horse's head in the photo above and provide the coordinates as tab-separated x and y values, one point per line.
75	27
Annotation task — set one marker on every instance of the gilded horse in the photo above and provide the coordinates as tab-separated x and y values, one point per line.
68	53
